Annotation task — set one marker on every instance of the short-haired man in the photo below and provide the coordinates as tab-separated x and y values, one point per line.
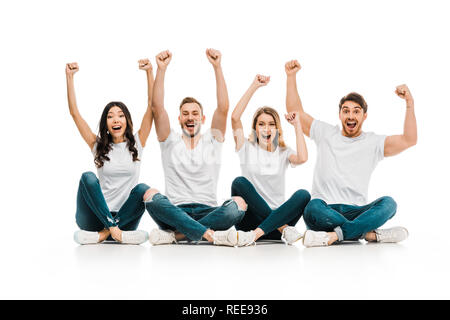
346	157
191	163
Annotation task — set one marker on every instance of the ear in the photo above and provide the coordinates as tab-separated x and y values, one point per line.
365	116
203	119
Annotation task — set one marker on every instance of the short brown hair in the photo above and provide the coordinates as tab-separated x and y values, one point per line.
191	100
355	97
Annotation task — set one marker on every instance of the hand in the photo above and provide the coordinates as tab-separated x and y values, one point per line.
71	68
293	118
163	59
214	56
403	92
261	81
292	67
144	64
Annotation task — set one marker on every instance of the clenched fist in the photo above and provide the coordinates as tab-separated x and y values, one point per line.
293	118
261	80
144	64
163	59
214	56
403	92
292	67
71	68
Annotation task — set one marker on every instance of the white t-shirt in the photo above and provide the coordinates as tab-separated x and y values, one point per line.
265	170
120	174
344	165
191	175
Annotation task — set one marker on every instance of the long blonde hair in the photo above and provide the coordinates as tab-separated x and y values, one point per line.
272	112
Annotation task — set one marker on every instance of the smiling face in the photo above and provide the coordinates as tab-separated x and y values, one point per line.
116	123
266	129
191	119
352	117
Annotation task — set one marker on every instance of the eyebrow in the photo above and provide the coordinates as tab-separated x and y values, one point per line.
347	107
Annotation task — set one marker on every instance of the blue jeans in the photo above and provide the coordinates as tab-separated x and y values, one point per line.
348	221
193	219
93	213
260	215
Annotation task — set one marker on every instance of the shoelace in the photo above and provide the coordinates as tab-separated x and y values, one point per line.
252	242
223	238
167	236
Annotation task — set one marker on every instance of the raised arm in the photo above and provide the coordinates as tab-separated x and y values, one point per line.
219	120
302	152
146	125
395	144
293	102
83	127
236	123
162	123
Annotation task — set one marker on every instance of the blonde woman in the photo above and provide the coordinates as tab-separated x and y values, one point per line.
264	158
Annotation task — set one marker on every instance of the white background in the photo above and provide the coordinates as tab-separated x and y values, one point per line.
343	46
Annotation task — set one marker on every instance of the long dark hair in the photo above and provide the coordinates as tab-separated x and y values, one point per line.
104	139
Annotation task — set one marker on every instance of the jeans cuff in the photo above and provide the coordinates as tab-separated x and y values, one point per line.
339	233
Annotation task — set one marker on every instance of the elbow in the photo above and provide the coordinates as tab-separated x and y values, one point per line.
300	159
411	142
235	118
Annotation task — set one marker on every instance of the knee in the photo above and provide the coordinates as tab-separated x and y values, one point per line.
312	210
148	195
141	188
242	205
239	183
303	196
389	204
89	177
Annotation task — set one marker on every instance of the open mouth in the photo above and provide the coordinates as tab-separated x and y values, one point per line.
266	137
116	128
351	124
190	125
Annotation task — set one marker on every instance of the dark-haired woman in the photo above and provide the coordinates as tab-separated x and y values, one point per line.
111	205
264	158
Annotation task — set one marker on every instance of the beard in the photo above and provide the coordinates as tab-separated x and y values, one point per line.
188	134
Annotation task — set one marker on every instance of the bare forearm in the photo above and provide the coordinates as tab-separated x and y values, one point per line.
242	104
71	96
293	102
410	125
302	151
221	89
157	103
150	83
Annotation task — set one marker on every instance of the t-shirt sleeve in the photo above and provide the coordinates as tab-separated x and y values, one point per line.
139	146
242	152
288	152
319	130
172	137
379	146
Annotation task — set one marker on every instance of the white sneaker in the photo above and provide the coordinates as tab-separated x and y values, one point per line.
315	239
291	235
391	235
226	238
86	237
134	237
245	239
158	236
